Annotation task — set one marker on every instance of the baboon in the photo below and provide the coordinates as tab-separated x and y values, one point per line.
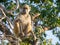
23	24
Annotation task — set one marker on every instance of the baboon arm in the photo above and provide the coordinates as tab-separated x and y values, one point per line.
16	26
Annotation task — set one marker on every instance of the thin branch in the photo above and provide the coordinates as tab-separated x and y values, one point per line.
2	11
10	23
3	14
6	11
17	3
4	29
2	18
10	11
11	26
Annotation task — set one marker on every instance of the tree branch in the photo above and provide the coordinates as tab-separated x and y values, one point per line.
4	29
1	18
11	26
17	3
10	23
10	11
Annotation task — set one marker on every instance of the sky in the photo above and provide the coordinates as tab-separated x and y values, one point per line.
51	36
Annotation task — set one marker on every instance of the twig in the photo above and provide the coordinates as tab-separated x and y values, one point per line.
3	14
11	26
4	29
11	11
10	23
17	3
2	18
2	11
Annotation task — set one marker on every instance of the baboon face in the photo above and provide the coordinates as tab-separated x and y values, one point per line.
25	9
